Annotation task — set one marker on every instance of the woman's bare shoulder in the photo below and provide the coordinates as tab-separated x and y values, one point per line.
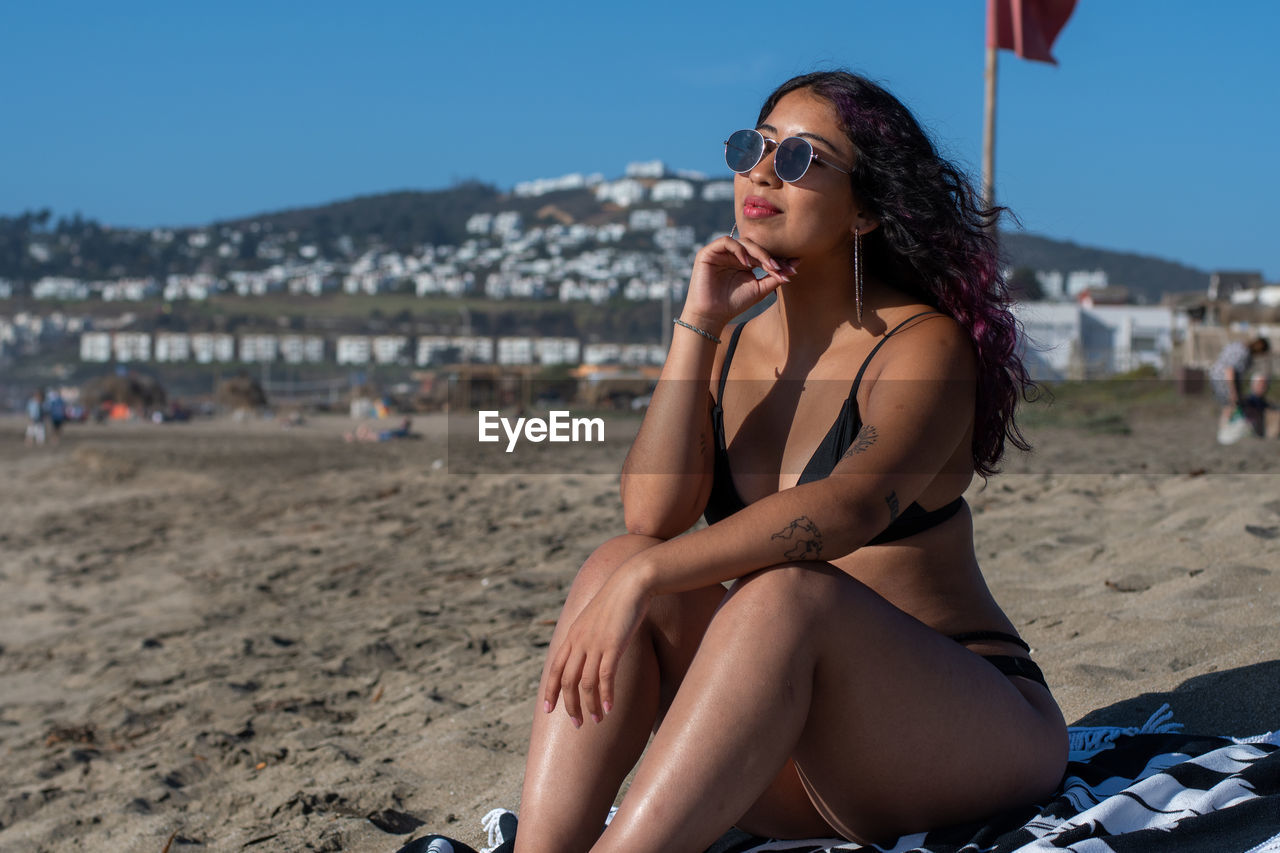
930	344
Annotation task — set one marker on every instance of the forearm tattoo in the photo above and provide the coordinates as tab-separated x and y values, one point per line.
804	538
863	440
892	500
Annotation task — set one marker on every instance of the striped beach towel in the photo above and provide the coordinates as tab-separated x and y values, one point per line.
1147	789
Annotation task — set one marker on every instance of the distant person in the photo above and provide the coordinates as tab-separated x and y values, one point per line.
367	433
1227	380
57	409
1258	411
35	420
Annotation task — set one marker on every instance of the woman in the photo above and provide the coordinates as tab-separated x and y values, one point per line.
857	678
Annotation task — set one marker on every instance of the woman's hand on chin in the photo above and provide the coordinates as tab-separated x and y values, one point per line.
724	282
586	663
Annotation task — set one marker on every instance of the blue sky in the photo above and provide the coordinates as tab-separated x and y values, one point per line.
1157	133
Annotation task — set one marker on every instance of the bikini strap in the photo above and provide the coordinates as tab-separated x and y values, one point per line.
976	636
728	357
858	380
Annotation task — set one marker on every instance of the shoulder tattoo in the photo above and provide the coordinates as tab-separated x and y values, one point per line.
864	439
803	538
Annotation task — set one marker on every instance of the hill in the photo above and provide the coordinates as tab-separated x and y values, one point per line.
31	246
412	218
1146	277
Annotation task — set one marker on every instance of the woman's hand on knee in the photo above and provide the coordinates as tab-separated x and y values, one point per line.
584	667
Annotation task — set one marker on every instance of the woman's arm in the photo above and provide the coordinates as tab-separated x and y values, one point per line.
666	478
667	474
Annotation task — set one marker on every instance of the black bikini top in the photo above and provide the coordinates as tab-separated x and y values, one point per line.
724	500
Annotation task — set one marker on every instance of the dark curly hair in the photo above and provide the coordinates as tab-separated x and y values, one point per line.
935	239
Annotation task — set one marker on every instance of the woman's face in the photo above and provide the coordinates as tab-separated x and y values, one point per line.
815	214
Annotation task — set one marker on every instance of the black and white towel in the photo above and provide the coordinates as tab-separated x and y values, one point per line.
1149	788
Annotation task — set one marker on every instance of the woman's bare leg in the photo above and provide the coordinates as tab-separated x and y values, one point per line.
892	726
572	774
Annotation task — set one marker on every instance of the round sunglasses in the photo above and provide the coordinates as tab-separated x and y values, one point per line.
745	148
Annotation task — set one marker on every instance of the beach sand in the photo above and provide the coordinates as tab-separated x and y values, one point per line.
227	636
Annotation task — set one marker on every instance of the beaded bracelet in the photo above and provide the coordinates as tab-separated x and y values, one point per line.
694	328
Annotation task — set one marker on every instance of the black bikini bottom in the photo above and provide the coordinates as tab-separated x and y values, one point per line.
1022	667
1007	664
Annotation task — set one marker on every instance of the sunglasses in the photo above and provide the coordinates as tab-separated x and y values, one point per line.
745	148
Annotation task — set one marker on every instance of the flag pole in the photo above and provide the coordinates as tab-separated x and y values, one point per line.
989	131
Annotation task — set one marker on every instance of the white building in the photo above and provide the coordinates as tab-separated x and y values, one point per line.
1069	341
132	346
505	286
642	290
130	290
611	233
473	348
542	186
1052	344
255	283
258	349
371	282
353	349
301	349
672	189
315	282
208	348
1078	281
95	346
631	354
1121	338
173	346
195	287
456	349
1051	285
389	349
557	350
597	292
515	350
59	287
647	220
507	225
675	238
602	353
623	193
637	354
1263	294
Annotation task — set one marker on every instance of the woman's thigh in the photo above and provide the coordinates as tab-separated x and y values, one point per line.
907	729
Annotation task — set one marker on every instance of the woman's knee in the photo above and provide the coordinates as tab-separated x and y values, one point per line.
605	559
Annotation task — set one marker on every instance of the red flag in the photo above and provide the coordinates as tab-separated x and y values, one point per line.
1027	27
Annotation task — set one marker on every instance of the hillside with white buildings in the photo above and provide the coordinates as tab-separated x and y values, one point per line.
557	241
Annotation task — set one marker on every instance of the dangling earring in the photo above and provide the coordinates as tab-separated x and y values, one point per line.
733	232
857	271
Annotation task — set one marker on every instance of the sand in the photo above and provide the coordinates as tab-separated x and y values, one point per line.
230	635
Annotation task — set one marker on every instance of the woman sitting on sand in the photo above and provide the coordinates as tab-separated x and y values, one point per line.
857	679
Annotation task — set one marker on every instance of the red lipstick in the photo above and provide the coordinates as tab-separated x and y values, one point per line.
754	207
